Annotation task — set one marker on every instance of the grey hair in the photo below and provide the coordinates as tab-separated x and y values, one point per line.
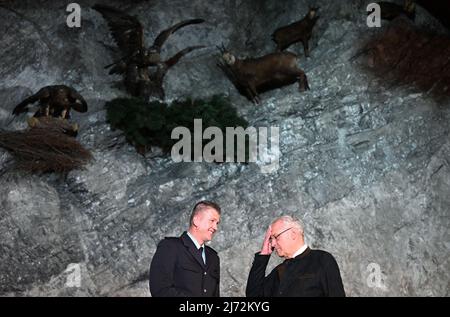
292	221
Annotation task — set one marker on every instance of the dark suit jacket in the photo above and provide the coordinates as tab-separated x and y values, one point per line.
312	273
177	269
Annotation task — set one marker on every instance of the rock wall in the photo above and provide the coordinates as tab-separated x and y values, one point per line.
363	162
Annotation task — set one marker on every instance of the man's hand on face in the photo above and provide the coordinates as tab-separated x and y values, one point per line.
266	247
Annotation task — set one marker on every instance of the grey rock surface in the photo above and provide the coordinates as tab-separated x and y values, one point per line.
364	165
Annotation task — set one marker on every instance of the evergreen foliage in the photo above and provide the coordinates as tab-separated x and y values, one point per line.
148	124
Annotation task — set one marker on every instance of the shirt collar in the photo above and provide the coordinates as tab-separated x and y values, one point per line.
197	245
300	251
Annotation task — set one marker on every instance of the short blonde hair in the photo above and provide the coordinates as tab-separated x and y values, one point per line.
202	205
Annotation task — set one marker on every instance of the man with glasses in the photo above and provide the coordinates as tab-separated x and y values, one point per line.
184	266
305	272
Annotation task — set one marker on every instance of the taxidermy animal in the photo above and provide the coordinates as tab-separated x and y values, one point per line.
143	68
253	75
299	31
55	101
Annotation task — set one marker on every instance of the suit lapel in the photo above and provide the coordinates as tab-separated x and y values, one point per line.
208	257
189	244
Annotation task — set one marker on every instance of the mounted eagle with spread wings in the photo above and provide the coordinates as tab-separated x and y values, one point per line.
143	68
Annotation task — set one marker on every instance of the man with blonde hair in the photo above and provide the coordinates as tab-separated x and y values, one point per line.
185	266
305	272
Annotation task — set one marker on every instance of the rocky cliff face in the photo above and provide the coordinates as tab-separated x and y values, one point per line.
363	162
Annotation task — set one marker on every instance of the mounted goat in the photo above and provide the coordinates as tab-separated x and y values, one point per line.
299	31
253	75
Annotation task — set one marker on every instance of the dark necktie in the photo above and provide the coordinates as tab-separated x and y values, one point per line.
200	250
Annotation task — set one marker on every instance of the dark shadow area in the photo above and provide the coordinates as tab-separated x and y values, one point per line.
404	55
439	9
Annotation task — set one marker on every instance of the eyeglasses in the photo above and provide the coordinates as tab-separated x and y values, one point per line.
275	237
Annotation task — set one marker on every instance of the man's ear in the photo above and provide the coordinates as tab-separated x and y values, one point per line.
301	236
293	234
195	220
296	234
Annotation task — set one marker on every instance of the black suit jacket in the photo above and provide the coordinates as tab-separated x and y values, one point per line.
312	273
177	269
